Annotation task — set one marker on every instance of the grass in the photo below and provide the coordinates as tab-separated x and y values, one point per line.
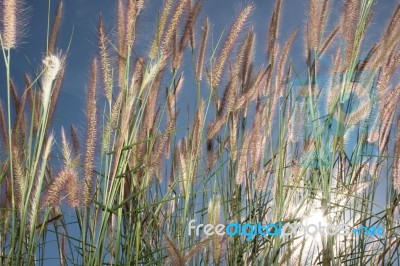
261	143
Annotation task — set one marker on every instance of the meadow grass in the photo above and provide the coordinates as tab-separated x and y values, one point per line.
260	143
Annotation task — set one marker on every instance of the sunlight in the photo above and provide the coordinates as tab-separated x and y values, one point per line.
316	218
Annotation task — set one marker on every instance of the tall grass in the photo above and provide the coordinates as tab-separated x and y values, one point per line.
261	143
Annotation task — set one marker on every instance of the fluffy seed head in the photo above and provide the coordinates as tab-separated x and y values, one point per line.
296	123
56	26
105	60
173	26
161	26
9	20
396	167
200	59
51	65
241	169
91	133
173	253
233	35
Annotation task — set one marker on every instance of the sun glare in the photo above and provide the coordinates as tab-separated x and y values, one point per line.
316	218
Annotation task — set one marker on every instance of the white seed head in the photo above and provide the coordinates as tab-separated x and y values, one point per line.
51	67
52	64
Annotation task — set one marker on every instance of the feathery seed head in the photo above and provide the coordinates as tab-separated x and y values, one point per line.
200	59
233	35
173	252
396	162
241	169
91	133
173	27
105	60
56	26
51	65
159	32
9	21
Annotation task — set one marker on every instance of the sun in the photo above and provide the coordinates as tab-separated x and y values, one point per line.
316	219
